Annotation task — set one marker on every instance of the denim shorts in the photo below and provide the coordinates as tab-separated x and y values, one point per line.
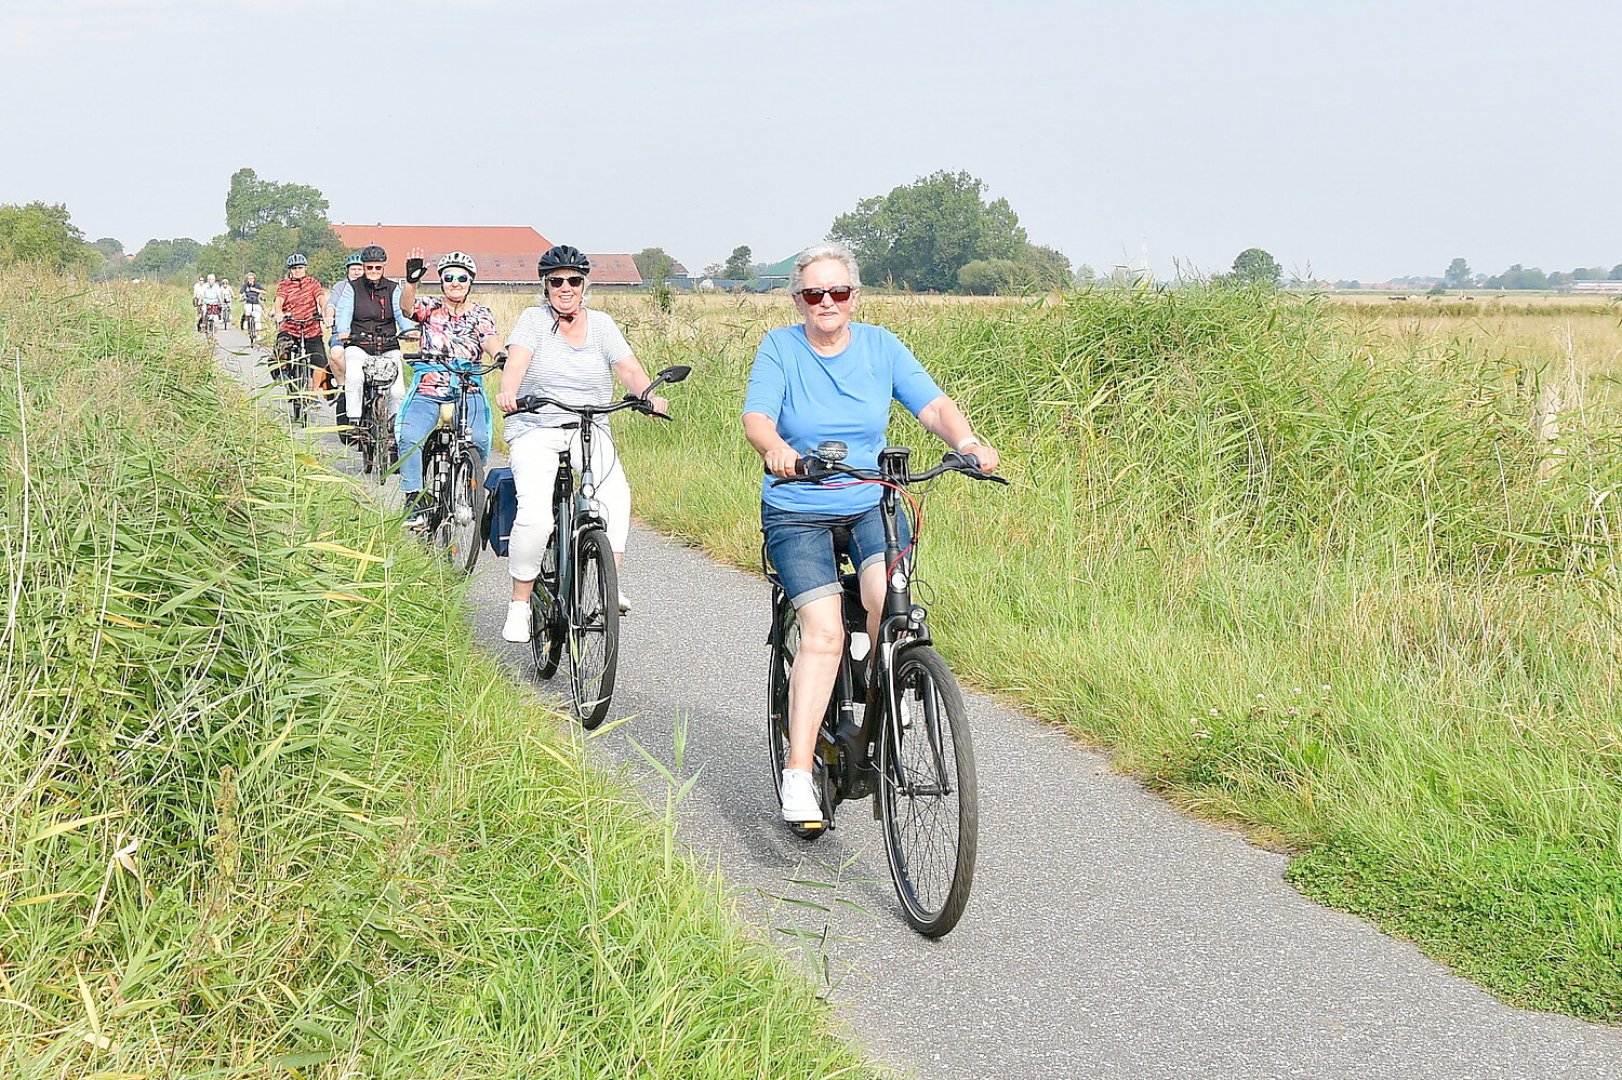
801	547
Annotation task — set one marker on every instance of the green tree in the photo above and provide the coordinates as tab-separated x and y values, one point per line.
251	204
158	257
44	233
1616	272
1253	266
740	265
1458	274
1519	277
921	234
654	264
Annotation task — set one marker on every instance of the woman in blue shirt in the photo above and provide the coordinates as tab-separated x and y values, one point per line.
831	378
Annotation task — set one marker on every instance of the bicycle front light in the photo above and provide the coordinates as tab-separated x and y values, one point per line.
915	618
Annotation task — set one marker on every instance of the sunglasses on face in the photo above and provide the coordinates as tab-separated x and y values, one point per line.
455	279
574	281
840	294
372	266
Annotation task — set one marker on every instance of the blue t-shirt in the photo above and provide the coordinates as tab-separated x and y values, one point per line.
813	398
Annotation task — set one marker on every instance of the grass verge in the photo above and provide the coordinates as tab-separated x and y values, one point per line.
264	811
1352	590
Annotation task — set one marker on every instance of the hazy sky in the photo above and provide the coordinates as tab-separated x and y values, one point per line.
1353	139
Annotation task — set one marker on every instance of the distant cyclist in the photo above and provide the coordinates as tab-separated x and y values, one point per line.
253	301
452	326
197	300
211	301
335	348
226	296
564	351
370	324
297	314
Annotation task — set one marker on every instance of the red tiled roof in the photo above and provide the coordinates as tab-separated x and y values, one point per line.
503	252
614	270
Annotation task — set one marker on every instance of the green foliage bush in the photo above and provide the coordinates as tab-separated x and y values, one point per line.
264	809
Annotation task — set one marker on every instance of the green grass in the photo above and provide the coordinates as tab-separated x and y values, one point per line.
264	811
1295	574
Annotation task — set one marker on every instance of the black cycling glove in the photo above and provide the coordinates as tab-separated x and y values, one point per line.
415	270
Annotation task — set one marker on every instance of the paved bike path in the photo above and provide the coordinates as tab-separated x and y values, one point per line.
1107	936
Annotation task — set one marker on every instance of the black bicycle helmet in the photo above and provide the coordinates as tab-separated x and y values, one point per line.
563	257
373	254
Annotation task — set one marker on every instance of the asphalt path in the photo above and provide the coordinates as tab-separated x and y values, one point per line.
1108	935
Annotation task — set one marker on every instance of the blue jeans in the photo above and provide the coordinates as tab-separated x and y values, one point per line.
801	547
418	417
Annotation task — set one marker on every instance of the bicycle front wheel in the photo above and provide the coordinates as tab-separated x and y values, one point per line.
594	628
928	796
461	509
382	435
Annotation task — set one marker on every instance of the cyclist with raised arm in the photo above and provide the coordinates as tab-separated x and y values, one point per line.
830	378
455	333
297	315
565	351
369	324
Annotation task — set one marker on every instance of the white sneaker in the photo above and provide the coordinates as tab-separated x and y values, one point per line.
516	628
625	603
799	798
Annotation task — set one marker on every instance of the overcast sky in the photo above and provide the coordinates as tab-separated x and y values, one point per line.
1361	140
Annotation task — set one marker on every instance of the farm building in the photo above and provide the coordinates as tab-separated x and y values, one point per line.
506	254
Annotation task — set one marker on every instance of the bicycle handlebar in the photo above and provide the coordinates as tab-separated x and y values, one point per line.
444	359
535	402
639	402
812	469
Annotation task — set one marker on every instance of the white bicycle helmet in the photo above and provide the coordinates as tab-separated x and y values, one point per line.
457	258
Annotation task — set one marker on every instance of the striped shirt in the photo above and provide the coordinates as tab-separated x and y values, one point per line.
583	376
301	303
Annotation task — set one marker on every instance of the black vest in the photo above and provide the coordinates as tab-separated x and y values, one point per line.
372	327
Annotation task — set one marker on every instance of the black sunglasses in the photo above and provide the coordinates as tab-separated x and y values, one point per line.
455	279
840	293
574	280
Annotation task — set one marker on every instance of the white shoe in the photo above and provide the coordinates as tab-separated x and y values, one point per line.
625	603
799	798
516	628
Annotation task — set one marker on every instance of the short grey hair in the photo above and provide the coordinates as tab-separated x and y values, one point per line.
818	252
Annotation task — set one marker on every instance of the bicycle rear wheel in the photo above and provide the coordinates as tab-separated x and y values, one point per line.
461	509
785	643
928	796
545	623
594	628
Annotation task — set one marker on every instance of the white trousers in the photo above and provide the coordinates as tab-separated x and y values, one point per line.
355	361
534	457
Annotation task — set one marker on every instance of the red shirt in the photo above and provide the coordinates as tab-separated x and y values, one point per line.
301	302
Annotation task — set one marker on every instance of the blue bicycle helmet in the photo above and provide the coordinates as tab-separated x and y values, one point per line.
354	259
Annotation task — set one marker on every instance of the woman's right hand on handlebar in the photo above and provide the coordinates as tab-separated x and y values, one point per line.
780	460
507	401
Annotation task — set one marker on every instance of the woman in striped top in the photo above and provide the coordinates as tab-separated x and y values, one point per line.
563	351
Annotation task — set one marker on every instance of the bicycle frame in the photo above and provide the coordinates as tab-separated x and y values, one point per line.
903	626
575	512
